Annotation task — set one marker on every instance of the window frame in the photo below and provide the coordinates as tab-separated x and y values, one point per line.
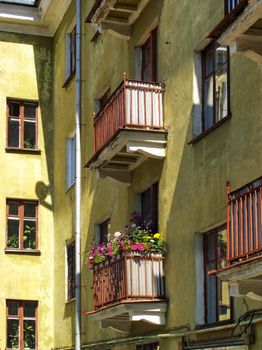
148	346
21	118
21	219
20	317
98	231
218	285
70	161
70	271
212	48
151	43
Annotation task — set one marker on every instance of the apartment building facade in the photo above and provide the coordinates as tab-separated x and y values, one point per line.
170	129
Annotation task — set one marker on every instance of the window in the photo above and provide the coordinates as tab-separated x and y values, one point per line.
21	324
70	53
151	346
217	299
102	232
149	58
70	252
22	124
70	161
215	84
149	206
22	217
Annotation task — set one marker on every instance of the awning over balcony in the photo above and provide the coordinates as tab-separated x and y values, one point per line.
116	16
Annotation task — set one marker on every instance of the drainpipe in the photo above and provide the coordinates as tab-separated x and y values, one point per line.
78	180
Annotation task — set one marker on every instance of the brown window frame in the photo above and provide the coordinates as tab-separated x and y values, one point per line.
21	318
104	231
21	120
154	193
212	48
21	218
70	252
217	262
150	43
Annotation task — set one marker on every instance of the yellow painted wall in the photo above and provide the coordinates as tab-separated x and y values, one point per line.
26	73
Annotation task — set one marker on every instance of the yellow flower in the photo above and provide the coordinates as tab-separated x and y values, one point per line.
157	235
148	237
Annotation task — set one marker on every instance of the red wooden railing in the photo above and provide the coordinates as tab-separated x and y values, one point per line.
244	222
134	104
234	5
129	277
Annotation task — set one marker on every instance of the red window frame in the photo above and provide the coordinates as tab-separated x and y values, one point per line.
211	48
210	264
21	218
151	45
21	318
70	249
21	119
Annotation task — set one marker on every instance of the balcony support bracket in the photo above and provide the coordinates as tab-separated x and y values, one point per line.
121	31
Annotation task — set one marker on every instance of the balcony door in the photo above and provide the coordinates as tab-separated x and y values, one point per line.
149	58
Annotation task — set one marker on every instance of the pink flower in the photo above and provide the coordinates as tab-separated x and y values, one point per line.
138	246
110	248
120	244
110	254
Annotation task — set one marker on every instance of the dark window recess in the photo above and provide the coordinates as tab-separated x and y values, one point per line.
217	299
21	325
215	87
104	231
71	271
22	217
72	39
103	100
22	124
149	207
151	346
149	58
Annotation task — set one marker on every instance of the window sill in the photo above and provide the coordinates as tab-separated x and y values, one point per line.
69	79
70	301
208	131
22	150
22	251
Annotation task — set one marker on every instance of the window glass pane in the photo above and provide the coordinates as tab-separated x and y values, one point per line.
147	73
209	62
29	209
221	56
13	233
29	237
211	247
71	271
12	308
224	310
14	109
29	309
146	206
13	132
30	110
208	102
221	94
13	334
13	208
222	248
104	231
29	334
29	134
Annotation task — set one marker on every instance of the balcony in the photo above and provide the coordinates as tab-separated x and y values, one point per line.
129	130
116	17
127	289
244	241
241	29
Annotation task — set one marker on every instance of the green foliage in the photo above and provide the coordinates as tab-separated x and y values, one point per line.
13	241
29	237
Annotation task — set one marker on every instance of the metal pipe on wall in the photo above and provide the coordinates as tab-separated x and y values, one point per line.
78	179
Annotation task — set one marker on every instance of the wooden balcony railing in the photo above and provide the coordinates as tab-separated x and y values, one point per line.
133	277
234	6
244	222
134	104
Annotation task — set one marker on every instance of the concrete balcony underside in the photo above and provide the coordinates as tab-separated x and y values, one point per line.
128	149
244	278
116	16
244	34
121	315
